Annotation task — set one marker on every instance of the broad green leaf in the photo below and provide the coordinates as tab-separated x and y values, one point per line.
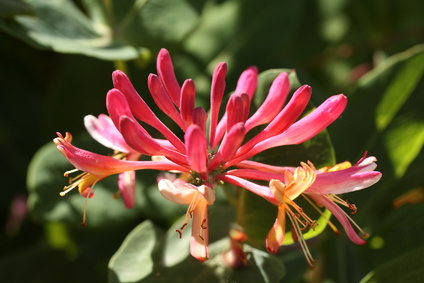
113	30
133	261
404	268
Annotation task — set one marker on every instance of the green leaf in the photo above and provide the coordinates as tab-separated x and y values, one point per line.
399	90
404	268
113	30
133	261
9	8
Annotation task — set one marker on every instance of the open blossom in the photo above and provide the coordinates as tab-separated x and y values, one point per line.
221	153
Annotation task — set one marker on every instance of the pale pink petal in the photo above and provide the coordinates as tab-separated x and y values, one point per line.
177	192
341	217
207	193
167	76
187	101
273	103
104	131
340	182
126	184
196	148
217	92
163	101
275	236
200	232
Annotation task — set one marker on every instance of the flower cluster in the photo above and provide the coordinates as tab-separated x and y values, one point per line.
219	151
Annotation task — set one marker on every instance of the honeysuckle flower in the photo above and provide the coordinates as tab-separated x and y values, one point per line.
205	157
322	186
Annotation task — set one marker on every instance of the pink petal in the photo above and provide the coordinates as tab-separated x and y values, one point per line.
273	103
140	109
103	166
187	102
303	129
200	118
236	109
196	148
246	84
341	217
137	138
167	76
163	101
262	191
281	122
232	141
217	92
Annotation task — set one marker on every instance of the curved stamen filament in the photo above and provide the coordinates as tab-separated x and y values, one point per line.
321	213
302	241
345	203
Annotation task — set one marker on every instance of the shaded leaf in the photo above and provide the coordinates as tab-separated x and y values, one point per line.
133	261
404	268
9	8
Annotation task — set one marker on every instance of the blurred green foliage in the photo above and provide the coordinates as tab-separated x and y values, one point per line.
57	57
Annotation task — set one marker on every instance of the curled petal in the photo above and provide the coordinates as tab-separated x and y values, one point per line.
275	236
177	192
278	189
207	193
341	217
